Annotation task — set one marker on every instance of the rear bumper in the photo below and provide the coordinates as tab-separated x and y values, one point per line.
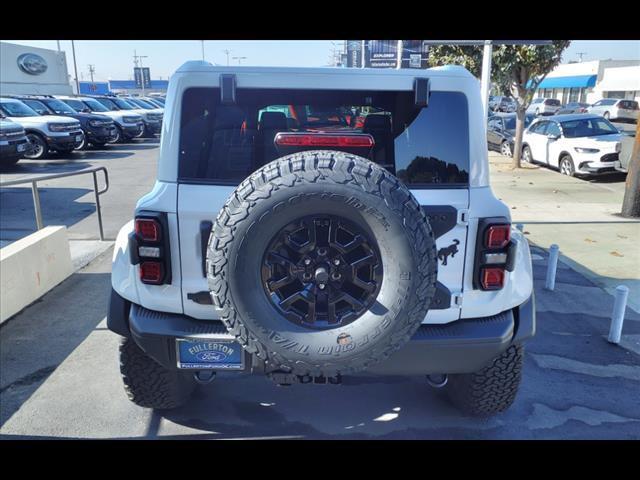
460	347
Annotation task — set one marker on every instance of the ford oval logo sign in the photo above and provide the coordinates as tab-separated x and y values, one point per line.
209	356
32	64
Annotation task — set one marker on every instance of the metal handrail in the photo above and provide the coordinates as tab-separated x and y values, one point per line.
36	194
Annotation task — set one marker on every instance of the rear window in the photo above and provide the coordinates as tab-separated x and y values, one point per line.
552	101
223	144
628	104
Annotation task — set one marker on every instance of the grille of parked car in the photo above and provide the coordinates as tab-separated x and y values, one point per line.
64	127
609	157
11	134
132	119
156	117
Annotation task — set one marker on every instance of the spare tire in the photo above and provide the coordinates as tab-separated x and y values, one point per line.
323	263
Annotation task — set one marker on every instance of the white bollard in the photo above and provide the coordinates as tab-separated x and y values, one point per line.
520	227
552	266
617	316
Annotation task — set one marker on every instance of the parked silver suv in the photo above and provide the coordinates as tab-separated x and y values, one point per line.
544	106
616	109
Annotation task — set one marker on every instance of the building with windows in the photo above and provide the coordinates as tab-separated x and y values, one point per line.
588	82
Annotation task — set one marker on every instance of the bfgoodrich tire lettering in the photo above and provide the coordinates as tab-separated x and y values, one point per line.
317	183
149	384
490	390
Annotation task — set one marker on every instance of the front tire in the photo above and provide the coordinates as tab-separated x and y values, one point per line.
148	384
566	166
491	390
526	155
39	146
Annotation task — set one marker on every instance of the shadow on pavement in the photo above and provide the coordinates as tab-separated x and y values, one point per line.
37	340
60	206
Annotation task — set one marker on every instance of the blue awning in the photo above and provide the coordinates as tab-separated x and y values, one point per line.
575	81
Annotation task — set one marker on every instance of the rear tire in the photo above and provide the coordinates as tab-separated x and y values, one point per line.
491	390
148	384
526	155
606	115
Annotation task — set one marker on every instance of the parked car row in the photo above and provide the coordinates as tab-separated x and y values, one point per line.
65	123
609	108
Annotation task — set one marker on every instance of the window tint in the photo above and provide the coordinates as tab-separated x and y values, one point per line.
628	104
588	127
495	123
225	143
607	101
552	101
538	128
553	129
37	106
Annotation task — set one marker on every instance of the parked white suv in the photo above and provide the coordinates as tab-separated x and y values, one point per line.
615	109
544	106
308	224
53	132
575	144
129	125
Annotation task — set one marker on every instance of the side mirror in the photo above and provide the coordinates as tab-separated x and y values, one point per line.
553	136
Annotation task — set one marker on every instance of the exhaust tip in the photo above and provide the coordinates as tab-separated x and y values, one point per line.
437	380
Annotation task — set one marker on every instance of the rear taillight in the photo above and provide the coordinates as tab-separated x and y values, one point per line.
151	272
495	253
497	236
148	229
149	247
492	278
323	140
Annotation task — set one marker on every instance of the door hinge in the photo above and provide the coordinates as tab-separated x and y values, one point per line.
463	216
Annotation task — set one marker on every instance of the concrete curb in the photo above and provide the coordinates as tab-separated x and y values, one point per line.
32	266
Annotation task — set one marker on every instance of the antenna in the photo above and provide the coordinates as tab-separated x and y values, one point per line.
581	54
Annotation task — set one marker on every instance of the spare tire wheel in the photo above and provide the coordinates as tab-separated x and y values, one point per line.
323	263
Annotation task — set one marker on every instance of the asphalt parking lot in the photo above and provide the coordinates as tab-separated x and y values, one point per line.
59	373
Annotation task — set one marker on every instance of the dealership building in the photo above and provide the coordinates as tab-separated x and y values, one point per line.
589	82
30	70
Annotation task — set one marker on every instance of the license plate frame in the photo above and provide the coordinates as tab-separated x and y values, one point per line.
211	353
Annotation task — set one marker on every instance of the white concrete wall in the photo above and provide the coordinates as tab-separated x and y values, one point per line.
32	266
55	81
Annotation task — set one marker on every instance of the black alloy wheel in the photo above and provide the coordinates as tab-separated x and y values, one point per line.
322	271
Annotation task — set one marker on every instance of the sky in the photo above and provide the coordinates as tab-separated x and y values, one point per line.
113	59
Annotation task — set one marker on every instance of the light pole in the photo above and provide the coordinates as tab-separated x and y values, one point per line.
75	66
239	59
92	71
485	81
227	52
202	50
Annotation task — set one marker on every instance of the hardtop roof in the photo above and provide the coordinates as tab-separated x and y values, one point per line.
200	66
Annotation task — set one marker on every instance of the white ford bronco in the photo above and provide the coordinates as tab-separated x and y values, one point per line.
311	224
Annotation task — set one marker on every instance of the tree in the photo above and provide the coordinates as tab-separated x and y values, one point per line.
516	68
524	67
631	202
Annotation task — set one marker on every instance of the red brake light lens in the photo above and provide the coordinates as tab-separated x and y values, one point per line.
151	272
324	140
497	236
148	230
492	278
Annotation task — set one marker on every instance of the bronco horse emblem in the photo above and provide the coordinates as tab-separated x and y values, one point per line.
452	249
